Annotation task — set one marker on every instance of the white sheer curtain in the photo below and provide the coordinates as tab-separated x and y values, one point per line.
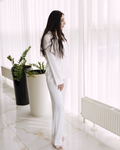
93	33
21	25
101	50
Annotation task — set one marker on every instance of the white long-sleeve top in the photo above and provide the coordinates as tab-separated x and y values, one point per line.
57	68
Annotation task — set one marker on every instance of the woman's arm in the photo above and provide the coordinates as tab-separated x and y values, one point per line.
52	60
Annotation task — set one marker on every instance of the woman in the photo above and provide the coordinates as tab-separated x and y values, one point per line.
55	50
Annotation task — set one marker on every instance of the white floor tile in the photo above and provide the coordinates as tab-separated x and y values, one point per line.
19	130
8	139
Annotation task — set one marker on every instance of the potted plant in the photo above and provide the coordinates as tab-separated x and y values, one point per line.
19	78
37	90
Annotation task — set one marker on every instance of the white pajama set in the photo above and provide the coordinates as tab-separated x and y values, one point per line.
57	72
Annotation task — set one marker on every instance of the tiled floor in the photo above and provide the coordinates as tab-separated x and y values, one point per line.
19	130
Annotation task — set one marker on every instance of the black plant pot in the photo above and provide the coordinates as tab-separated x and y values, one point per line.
20	88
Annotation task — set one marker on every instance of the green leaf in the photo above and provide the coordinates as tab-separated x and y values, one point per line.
36	66
17	68
11	59
24	55
31	74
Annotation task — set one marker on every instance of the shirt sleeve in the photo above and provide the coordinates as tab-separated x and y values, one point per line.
52	60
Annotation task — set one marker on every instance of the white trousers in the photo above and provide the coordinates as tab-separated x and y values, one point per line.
58	103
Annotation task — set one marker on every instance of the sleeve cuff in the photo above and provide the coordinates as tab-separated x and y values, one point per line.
60	81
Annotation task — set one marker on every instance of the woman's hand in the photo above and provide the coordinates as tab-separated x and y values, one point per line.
61	86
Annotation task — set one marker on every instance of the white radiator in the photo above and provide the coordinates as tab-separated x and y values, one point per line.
101	114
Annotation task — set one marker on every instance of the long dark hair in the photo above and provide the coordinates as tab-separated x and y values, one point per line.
53	25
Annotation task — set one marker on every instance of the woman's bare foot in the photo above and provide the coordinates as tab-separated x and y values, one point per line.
58	147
